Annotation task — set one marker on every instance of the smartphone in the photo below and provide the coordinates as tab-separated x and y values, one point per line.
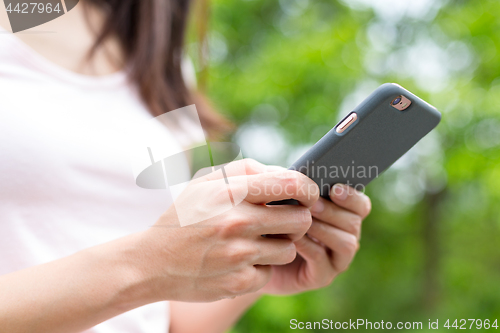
368	140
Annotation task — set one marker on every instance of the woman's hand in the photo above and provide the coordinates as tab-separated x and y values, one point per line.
226	256
329	246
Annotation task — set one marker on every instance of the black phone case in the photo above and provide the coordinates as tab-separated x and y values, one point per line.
380	136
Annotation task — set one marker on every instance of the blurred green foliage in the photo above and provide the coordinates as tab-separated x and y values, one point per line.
430	249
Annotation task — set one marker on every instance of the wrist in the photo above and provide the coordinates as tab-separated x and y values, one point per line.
126	285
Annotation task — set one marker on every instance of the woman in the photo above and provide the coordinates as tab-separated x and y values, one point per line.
77	250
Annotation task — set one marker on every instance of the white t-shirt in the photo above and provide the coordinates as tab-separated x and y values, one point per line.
66	181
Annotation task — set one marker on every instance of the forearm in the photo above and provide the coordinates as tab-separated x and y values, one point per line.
73	293
216	317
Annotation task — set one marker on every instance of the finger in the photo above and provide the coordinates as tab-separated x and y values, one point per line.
293	221
273	251
328	212
348	198
343	244
252	167
281	185
262	276
248	280
319	269
242	167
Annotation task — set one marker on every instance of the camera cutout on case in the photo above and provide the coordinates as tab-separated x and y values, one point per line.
400	103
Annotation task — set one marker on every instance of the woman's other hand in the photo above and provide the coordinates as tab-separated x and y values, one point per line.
329	246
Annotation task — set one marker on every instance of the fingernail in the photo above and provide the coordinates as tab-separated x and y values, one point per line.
340	192
318	207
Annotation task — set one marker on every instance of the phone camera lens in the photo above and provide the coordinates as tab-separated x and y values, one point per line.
400	103
396	100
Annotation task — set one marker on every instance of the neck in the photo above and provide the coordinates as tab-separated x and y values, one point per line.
67	41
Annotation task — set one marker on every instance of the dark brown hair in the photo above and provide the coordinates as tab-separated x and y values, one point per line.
151	34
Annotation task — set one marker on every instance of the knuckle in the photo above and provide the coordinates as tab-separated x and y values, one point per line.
234	224
243	282
249	161
289	179
313	190
290	253
317	253
304	217
251	165
240	252
239	188
367	206
350	245
355	223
